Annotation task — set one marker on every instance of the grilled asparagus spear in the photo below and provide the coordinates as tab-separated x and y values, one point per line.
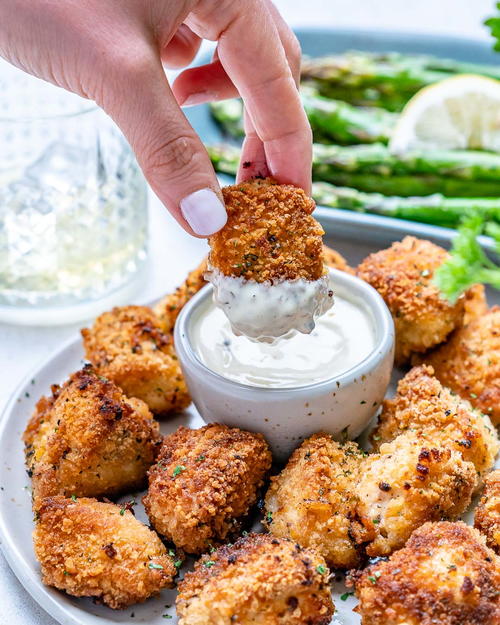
431	209
386	80
372	168
331	120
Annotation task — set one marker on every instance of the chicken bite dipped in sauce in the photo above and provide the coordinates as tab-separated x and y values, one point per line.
89	439
100	550
266	264
258	580
444	575
169	307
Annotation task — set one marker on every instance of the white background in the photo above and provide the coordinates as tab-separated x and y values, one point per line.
172	252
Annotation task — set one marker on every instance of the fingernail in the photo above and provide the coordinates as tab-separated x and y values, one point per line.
204	212
199	98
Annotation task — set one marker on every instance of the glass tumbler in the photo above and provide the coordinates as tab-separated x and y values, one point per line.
73	206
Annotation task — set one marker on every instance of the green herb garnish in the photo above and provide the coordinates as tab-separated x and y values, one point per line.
346	596
178	469
468	263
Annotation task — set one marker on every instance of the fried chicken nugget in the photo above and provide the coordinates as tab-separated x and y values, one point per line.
266	263
312	501
259	579
409	482
487	516
93	549
469	363
270	233
127	346
203	483
403	274
169	307
88	439
444	575
422	404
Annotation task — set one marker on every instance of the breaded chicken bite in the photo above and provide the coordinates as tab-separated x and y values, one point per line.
127	346
88	439
403	275
469	363
445	575
487	515
423	405
99	550
260	579
204	482
409	482
335	260
169	307
475	303
312	501
266	263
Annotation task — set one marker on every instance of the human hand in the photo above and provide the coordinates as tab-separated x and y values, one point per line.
112	51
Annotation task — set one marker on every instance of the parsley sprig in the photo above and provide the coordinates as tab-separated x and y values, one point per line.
493	24
469	263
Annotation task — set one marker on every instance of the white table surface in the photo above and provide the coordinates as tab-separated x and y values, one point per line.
172	252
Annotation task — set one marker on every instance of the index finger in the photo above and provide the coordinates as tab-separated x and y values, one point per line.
253	56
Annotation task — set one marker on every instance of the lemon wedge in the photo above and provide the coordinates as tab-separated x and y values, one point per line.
462	112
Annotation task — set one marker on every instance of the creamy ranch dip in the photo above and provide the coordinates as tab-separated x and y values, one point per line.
265	311
342	338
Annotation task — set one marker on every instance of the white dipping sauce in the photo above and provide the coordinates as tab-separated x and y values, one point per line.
342	338
265	311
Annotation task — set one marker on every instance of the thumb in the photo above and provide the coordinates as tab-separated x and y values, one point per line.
168	150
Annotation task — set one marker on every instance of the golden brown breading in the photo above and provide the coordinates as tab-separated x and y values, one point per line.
169	307
469	363
422	404
487	516
88	439
406	484
260	580
312	500
445	575
333	259
270	234
127	346
403	274
93	549
475	303
203	483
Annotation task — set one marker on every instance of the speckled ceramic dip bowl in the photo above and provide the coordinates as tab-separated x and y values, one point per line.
342	405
